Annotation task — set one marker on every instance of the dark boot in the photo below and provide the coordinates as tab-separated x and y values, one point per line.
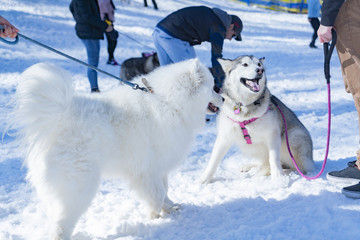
312	45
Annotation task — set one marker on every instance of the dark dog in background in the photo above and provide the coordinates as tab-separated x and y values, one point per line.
133	67
154	3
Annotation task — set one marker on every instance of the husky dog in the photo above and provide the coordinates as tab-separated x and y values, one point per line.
250	118
133	67
72	140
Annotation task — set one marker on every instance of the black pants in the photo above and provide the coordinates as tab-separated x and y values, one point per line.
315	23
111	45
153	1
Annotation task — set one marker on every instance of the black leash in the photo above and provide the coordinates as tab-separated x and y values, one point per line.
327	55
134	86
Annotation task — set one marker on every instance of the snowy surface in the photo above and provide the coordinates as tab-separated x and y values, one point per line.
236	205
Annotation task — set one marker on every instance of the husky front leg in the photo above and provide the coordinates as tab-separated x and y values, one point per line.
277	173
221	146
274	148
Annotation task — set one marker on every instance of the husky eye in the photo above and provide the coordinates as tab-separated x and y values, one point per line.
245	64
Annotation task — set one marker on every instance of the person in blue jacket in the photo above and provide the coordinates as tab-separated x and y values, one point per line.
90	29
175	35
313	17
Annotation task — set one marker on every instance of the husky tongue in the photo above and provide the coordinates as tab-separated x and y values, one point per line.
253	85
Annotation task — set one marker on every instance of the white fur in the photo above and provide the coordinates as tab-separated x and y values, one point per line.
73	140
267	132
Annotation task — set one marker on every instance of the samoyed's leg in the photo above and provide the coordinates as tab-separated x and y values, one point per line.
169	206
71	187
221	146
151	188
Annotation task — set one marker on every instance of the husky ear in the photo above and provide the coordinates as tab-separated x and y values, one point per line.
262	60
225	64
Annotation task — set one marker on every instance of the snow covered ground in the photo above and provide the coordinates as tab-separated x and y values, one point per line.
236	205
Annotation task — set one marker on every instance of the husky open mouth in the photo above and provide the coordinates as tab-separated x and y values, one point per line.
252	84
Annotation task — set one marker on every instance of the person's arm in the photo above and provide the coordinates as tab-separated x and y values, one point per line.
9	30
330	9
217	40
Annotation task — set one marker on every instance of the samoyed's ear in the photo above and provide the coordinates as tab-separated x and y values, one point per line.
197	72
226	64
262	60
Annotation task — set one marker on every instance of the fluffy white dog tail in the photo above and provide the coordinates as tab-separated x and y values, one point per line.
43	96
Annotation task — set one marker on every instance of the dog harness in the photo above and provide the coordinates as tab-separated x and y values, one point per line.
243	128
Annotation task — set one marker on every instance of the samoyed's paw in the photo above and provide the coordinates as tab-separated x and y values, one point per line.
172	209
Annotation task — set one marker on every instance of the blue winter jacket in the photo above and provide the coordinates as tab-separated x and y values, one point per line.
313	8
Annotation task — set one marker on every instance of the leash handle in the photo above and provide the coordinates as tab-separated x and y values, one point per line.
327	55
9	42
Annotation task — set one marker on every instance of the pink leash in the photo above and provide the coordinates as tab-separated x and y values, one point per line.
327	56
327	144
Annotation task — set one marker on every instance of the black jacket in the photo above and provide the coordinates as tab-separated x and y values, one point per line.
200	24
330	10
87	17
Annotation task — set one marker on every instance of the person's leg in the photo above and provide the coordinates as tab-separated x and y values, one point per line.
315	23
179	50
155	5
93	51
164	59
170	49
111	46
348	30
111	38
347	26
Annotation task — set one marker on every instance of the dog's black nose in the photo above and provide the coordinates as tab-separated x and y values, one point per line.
259	70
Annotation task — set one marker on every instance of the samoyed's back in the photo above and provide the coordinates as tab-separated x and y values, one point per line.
73	139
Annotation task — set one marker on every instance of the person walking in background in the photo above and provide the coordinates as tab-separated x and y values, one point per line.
176	34
154	3
90	29
8	29
313	17
107	8
344	17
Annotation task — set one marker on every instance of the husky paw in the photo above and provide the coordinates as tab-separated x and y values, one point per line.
205	179
154	215
248	167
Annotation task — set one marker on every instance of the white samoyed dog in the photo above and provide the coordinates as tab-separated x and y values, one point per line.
72	140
